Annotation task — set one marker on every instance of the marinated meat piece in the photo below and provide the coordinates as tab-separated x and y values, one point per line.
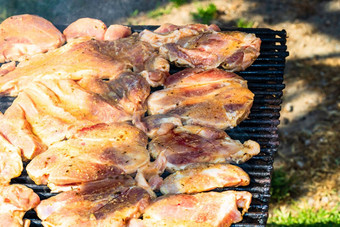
15	128
94	153
110	202
117	31
15	200
188	145
85	27
25	35
82	57
55	109
159	124
204	178
170	33
207	209
234	51
212	98
10	161
6	68
128	91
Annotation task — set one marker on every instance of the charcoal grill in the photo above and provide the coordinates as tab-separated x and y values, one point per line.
265	80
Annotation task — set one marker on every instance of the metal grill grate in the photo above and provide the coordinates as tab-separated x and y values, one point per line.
265	80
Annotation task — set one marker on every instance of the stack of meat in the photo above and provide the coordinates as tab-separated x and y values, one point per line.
80	119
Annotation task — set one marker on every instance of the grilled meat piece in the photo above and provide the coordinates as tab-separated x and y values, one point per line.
85	27
117	31
204	178
188	145
212	98
15	200
10	161
7	67
234	51
82	57
170	33
54	109
15	128
207	209
25	35
109	202
93	153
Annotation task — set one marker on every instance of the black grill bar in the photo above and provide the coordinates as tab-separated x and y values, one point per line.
265	80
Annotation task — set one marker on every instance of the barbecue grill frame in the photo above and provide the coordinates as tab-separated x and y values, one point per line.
265	80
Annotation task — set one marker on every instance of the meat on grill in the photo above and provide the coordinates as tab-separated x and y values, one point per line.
212	98
207	209
18	132
188	145
204	178
170	33
15	200
7	67
10	161
85	27
234	51
25	35
109	202
54	109
93	153
83	57
117	31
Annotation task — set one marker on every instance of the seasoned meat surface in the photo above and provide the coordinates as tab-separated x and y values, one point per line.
93	153
15	200
109	202
207	209
212	98
83	57
23	36
85	27
204	178
10	161
188	145
170	33
234	51
117	31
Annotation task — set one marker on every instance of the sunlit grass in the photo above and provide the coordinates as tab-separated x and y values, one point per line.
305	217
205	14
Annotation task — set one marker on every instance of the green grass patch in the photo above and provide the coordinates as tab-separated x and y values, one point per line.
160	11
243	23
205	14
178	3
281	187
305	217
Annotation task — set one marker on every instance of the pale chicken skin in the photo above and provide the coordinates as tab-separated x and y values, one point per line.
204	178
188	145
85	27
212	98
234	51
7	67
95	58
207	209
117	31
19	133
109	202
170	33
15	200
93	153
23	36
55	109
10	161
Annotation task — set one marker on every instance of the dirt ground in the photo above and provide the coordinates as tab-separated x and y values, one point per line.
310	117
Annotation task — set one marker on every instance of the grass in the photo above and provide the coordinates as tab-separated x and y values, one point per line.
205	15
306	217
243	23
281	187
178	3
